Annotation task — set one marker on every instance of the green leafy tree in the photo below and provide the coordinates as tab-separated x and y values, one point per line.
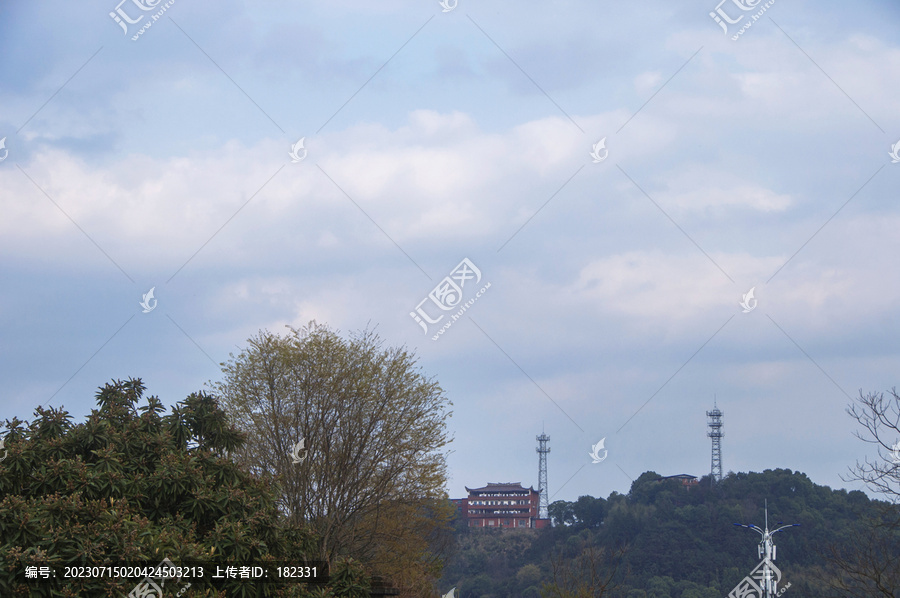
660	587
561	513
589	511
480	585
528	575
371	480
130	484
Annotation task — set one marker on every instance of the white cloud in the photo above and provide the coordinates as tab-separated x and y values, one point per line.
700	188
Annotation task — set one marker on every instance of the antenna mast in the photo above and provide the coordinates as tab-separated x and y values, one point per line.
714	422
542	450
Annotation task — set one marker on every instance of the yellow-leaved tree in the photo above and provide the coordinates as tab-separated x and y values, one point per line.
355	437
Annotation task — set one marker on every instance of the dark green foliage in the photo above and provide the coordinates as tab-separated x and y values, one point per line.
587	511
130	484
561	513
680	542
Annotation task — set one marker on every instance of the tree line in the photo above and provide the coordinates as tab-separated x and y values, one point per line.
665	540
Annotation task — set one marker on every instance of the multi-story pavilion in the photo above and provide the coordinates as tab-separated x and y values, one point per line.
502	505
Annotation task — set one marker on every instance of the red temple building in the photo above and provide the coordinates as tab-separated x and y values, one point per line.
502	505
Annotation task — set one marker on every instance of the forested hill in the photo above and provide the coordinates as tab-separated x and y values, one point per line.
664	540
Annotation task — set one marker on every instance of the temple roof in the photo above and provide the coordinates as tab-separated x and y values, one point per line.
501	487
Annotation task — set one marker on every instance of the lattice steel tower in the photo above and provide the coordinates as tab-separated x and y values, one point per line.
542	451
714	422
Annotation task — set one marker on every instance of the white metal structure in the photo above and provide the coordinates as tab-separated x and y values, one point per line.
769	574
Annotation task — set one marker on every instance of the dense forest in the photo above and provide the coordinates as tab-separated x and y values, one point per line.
667	540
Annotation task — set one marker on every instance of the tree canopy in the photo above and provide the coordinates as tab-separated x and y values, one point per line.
130	484
371	476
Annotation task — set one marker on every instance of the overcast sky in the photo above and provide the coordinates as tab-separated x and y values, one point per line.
755	158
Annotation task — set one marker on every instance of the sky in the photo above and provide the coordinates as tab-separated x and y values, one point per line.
634	211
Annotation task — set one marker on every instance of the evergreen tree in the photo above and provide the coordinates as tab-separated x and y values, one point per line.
130	484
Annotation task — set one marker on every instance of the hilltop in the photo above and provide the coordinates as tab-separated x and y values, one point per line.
666	540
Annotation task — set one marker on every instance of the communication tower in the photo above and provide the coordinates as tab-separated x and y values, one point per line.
714	422
542	450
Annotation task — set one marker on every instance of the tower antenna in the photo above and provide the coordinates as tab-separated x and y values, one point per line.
542	450
714	423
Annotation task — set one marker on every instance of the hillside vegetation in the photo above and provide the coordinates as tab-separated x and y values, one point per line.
663	540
